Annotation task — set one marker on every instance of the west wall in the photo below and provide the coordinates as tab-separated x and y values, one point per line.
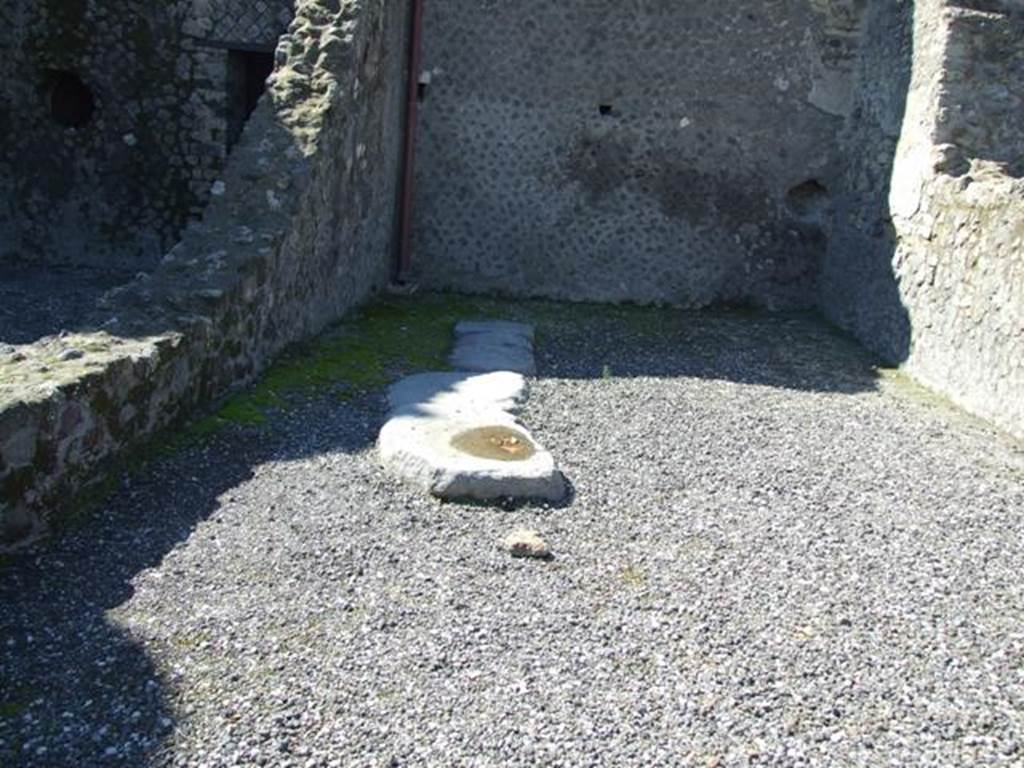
304	228
117	190
645	151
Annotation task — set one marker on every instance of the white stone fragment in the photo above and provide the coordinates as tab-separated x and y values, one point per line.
425	441
456	393
418	448
527	544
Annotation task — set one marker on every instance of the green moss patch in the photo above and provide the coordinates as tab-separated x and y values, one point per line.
361	354
15	703
374	346
11	709
394	337
910	389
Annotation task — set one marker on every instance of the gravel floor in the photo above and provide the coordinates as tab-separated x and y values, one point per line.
771	558
43	300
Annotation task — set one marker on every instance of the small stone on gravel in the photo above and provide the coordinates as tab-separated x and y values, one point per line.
527	544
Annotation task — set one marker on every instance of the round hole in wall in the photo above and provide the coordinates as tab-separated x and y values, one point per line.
808	200
70	100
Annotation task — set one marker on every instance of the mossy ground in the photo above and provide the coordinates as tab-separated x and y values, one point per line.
11	709
362	353
906	386
14	703
390	338
386	339
634	576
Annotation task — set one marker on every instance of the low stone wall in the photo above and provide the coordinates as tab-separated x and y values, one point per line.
300	229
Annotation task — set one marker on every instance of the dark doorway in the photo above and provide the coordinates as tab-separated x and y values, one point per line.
70	100
247	80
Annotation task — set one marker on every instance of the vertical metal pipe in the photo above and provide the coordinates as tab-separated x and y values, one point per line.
411	115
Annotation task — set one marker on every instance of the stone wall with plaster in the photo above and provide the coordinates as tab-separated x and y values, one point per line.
114	121
675	152
304	230
857	288
230	22
926	249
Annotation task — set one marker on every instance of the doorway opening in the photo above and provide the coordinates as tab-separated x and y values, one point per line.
248	71
70	100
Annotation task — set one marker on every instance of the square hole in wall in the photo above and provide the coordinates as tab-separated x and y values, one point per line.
248	71
69	99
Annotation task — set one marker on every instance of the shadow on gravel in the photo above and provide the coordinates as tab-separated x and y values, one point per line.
797	351
39	300
79	687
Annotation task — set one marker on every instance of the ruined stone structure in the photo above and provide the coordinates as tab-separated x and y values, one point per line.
856	156
297	231
117	117
860	157
925	257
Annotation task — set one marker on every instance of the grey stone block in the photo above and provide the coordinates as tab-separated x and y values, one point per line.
494	346
455	392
